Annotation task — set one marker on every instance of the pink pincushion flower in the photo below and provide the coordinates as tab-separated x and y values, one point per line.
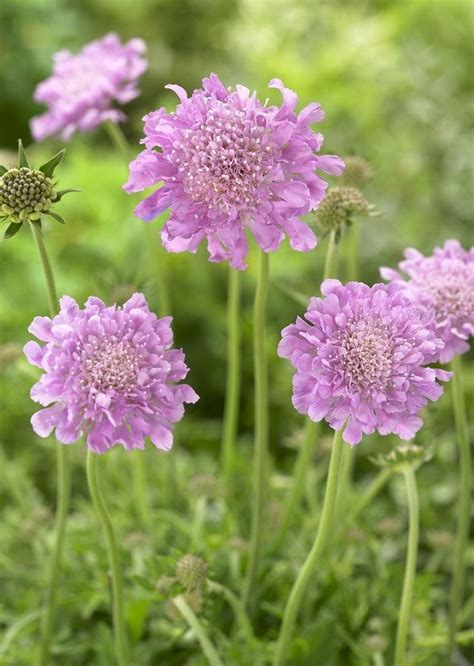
110	373
83	87
360	360
228	163
444	285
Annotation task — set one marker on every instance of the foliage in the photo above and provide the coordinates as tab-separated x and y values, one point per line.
395	81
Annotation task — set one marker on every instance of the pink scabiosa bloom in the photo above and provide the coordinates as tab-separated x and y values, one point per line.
109	373
228	163
444	285
360	358
83	87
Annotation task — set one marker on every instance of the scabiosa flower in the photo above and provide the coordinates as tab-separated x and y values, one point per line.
444	285
109	373
83	87
228	163
360	360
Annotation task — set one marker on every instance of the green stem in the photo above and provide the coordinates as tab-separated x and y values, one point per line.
47	270
326	526
232	396
302	464
139	488
372	490
237	607
120	636
261	428
331	261
157	256
118	139
353	253
208	648
347	466
464	506
62	485
410	567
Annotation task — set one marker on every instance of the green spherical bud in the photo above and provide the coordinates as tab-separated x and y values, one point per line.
338	207
357	172
25	194
191	572
164	584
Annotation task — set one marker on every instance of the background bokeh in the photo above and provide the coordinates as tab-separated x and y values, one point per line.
395	79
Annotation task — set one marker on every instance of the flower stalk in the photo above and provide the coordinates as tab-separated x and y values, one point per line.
232	397
261	428
325	528
208	648
464	505
120	635
63	482
410	565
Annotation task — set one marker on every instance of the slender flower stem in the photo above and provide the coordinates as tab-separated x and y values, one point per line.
63	482
118	139
331	261
410	566
371	491
261	428
232	396
353	252
47	270
325	528
208	648
302	464
464	506
120	636
139	488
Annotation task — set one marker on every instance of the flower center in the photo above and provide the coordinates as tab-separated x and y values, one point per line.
367	355
223	160
112	366
450	290
25	194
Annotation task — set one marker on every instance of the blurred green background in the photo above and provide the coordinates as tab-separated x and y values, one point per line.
395	80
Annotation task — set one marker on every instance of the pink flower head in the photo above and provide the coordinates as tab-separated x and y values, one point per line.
228	163
83	87
444	285
360	360
109	372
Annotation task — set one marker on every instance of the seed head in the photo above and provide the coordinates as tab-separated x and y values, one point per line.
25	194
338	207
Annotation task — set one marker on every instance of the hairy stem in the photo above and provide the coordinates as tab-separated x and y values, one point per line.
62	483
410	567
326	526
261	428
208	648
232	396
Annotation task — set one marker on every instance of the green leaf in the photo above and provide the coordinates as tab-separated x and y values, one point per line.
3	169
61	193
56	216
13	229
144	582
48	167
22	158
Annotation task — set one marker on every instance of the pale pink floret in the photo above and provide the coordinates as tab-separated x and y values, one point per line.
83	88
109	373
359	357
444	285
225	164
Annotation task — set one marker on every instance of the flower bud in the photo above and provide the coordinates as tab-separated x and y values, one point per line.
357	172
191	572
338	207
